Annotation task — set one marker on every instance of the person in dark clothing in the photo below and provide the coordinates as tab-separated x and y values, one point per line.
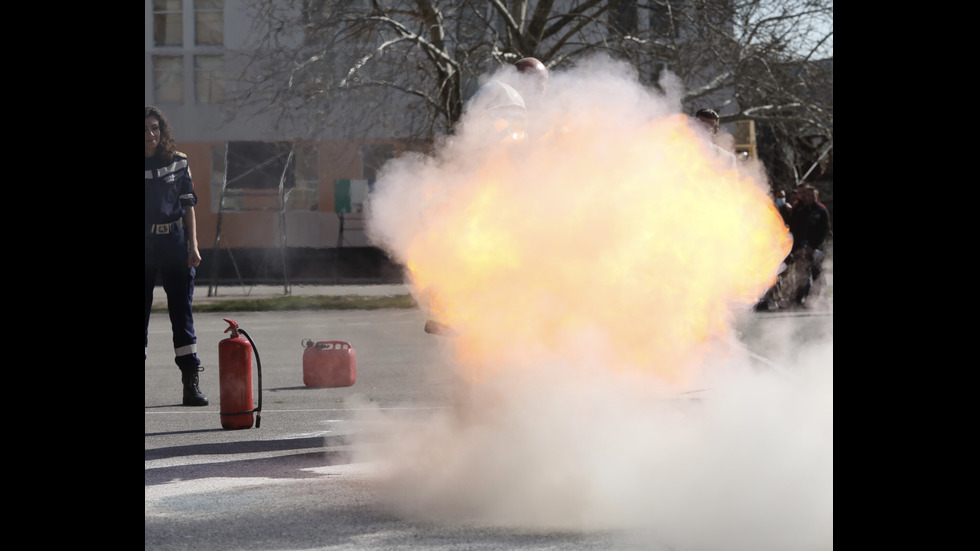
784	207
170	245
709	122
710	119
810	226
774	297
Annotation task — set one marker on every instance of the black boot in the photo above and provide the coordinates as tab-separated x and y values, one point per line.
192	394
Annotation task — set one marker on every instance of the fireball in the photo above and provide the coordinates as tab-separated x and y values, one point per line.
609	232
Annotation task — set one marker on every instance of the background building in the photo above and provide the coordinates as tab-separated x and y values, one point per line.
272	208
278	204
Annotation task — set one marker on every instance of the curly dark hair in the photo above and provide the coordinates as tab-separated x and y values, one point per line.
168	145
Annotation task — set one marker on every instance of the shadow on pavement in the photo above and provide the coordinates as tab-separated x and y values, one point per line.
249	446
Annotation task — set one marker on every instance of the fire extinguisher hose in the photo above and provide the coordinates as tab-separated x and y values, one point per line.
258	368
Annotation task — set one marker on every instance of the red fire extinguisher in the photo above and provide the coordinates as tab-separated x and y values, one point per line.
235	374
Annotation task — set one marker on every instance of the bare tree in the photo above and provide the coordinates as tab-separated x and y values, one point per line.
403	68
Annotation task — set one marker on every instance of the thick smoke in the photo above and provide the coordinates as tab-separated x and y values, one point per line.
593	272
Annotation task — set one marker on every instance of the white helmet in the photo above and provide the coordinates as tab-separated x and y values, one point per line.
497	109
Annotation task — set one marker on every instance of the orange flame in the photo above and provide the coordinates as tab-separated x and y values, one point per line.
640	244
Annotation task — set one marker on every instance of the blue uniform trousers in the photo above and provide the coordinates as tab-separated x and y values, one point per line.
166	256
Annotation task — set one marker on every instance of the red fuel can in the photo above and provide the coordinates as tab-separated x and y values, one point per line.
329	364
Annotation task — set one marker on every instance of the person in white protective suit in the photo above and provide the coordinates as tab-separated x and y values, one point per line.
497	114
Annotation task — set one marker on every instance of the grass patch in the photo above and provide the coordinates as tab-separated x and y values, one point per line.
312	302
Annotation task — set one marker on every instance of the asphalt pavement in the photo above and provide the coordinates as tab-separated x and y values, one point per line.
302	477
296	479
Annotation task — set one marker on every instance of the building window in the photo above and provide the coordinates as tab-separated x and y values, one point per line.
168	23
258	165
315	14
247	175
209	81
661	21
209	22
305	194
373	157
168	79
199	42
223	199
622	17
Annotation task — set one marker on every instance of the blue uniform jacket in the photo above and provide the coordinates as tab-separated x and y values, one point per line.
168	189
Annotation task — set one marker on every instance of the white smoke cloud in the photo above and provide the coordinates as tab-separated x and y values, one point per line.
578	425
